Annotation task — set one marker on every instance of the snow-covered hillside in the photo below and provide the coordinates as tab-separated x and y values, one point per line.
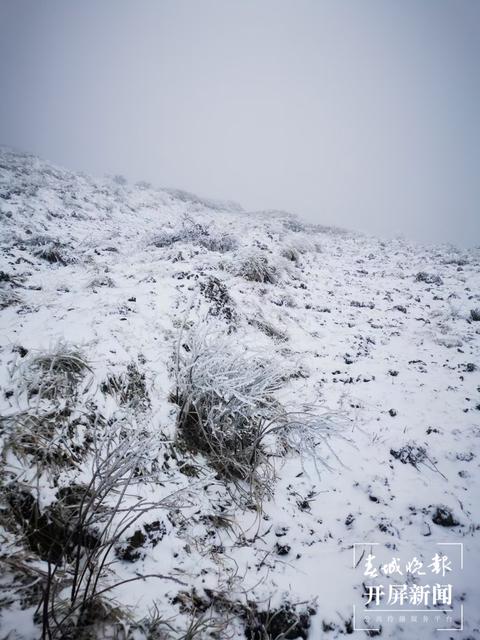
122	308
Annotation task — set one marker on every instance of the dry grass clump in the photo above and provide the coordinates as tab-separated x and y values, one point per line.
56	373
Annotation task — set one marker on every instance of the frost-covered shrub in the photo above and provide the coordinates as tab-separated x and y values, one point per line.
225	398
475	315
9	298
165	238
216	293
129	388
49	249
301	244
229	413
75	533
284	299
220	242
101	281
197	234
270	329
411	454
51	252
459	261
53	440
257	268
294	225
428	278
54	374
290	253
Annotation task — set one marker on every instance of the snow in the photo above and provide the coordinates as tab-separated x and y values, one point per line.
349	347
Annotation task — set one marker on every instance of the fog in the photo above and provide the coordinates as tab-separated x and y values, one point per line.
359	114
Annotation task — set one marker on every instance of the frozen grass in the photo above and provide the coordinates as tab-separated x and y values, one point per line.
128	387
296	246
49	249
291	253
52	440
428	278
51	252
269	329
228	409
257	268
9	298
100	281
225	396
475	315
55	374
75	536
196	234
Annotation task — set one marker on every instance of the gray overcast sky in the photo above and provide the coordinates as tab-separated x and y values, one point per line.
364	114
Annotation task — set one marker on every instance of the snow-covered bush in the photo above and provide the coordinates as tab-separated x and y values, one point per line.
165	238
101	281
290	253
228	412
54	374
219	242
459	261
52	252
269	329
225	395
76	533
53	440
257	268
293	224
428	278
216	293
9	298
129	387
197	234
299	244
475	315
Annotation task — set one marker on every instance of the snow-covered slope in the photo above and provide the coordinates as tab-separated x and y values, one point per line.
376	337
